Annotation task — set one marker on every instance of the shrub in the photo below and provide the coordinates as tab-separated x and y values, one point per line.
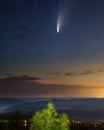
49	119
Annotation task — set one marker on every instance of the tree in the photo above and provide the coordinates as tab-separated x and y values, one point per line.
16	120
17	115
48	119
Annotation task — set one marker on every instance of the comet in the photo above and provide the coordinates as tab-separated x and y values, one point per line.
62	14
58	27
59	23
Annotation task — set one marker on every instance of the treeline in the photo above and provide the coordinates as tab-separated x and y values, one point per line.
14	121
45	119
25	125
11	125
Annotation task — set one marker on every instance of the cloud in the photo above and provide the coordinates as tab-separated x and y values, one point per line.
83	73
100	70
79	74
23	31
70	74
58	74
24	86
20	31
20	78
86	72
8	74
55	73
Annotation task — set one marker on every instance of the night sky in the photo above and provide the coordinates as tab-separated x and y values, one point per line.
36	61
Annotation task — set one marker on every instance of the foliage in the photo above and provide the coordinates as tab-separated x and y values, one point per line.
48	119
17	115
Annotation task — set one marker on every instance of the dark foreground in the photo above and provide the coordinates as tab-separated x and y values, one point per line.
75	125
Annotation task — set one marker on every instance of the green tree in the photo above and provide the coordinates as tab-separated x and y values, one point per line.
48	119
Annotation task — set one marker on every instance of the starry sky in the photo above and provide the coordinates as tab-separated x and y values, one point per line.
36	61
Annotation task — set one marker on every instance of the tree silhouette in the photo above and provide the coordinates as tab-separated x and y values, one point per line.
17	115
48	119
